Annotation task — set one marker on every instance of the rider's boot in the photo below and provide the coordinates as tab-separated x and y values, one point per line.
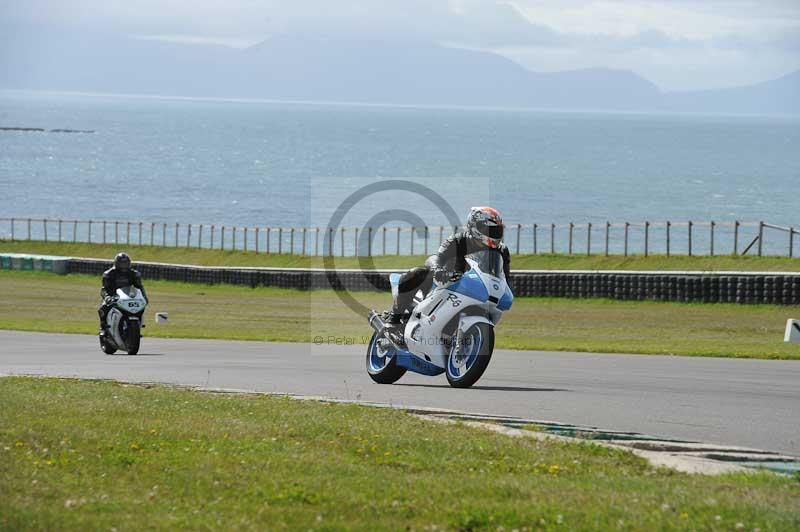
103	328
394	325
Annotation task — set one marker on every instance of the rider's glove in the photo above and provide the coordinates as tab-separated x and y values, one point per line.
108	300
444	276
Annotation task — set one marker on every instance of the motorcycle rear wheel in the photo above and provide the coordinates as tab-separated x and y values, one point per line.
107	348
382	369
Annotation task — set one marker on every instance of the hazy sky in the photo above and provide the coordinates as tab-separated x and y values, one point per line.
678	44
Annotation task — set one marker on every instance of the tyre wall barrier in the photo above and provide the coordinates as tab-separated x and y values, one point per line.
44	263
722	287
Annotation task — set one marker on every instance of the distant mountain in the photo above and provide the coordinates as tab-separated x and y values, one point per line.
778	96
346	69
316	68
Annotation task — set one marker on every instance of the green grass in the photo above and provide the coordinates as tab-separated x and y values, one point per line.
106	456
206	257
233	312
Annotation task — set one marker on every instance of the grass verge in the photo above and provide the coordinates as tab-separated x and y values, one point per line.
206	257
101	455
232	312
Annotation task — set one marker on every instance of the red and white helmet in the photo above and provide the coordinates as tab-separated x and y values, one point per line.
485	225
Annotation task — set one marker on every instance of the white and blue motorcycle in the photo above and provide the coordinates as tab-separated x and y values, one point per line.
450	331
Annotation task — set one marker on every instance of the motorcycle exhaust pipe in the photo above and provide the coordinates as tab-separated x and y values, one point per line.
376	322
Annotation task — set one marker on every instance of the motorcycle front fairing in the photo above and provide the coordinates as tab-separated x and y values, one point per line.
454	307
131	304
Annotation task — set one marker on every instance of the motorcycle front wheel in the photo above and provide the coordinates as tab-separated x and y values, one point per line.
382	361
467	362
133	337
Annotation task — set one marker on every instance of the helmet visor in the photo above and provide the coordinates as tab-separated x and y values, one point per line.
490	229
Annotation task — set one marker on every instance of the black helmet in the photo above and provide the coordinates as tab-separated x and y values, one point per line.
485	225
122	262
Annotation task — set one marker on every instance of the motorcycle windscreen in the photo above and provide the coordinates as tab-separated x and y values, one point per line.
129	290
489	261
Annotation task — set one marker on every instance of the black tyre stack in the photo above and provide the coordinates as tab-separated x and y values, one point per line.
744	288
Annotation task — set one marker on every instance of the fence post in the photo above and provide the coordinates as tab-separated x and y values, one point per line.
646	239
760	238
608	232
690	237
791	242
589	239
152	231
571	228
441	234
519	232
330	241
222	239
316	241
369	241
104	231
140	233
383	247
342	242
200	237
245	238
669	224
163	235
12	229
127	233
552	239
291	241
189	236
627	228
411	239
303	252
269	230
355	241
280	240
736	237
213	230
535	243
44	224
398	240
74	231
29	229
711	242
59	232
426	240
233	230
177	228
89	233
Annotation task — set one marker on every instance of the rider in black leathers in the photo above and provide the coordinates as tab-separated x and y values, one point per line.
484	230
119	276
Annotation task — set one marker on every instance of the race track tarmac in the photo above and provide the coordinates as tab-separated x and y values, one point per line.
752	403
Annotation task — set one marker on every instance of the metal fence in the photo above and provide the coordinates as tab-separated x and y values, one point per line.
620	238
